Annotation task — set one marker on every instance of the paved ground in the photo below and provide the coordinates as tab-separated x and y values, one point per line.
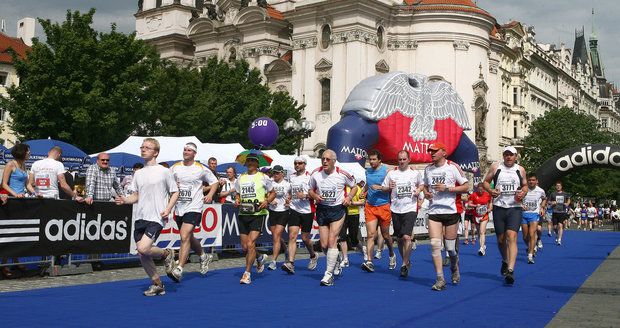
595	304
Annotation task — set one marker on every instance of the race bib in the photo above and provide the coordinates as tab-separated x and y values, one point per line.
559	199
296	188
403	189
185	195
42	181
248	190
438	179
481	210
507	187
280	191
530	206
328	195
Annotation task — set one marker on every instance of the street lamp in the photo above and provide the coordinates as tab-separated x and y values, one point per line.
300	130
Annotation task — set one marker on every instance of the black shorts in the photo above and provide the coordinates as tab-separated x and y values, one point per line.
249	223
445	219
403	223
149	228
559	218
192	218
328	214
469	217
279	218
303	220
505	219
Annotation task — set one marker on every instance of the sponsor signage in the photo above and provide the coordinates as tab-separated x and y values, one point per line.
33	227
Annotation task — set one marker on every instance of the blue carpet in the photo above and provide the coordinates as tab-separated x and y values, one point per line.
357	299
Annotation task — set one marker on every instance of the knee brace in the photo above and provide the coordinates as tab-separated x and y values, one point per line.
436	247
451	247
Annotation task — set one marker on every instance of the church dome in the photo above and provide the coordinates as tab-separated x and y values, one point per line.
446	5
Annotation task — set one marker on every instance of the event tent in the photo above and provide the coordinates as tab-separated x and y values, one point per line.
73	158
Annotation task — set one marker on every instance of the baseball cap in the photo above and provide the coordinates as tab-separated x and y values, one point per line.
510	149
437	146
301	159
277	168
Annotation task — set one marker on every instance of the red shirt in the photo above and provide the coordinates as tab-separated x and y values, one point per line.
480	199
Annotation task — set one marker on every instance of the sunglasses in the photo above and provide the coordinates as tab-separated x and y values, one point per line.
326	159
299	163
105	160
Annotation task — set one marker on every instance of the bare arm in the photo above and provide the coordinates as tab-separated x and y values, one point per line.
5	179
213	188
173	200
65	187
488	178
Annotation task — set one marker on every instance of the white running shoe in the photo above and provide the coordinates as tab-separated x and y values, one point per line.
540	244
169	263
313	262
177	274
392	264
205	260
155	290
246	279
260	263
378	254
482	251
344	263
272	266
328	279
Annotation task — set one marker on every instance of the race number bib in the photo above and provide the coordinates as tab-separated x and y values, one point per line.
530	206
42	181
481	210
185	194
280	191
328	195
248	190
296	188
507	187
437	180
559	199
403	189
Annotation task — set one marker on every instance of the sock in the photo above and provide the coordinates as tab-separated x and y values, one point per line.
440	275
332	258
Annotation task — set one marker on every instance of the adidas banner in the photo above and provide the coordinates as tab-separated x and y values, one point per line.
33	227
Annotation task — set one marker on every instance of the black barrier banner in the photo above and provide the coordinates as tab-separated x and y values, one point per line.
33	227
596	155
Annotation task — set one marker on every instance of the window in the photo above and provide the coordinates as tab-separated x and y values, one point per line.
325	95
326	36
4	78
2	113
380	37
604	123
515	96
515	128
157	3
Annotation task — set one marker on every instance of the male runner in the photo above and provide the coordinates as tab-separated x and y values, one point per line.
534	205
189	176
254	193
327	188
510	187
155	192
300	216
377	210
482	204
405	184
560	201
443	182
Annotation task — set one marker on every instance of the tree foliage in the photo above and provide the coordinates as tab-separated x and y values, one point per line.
216	103
82	86
563	128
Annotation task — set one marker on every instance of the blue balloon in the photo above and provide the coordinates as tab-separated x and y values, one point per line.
263	132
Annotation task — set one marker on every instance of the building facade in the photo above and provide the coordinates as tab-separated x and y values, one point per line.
318	50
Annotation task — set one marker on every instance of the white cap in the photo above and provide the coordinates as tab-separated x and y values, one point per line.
511	149
301	159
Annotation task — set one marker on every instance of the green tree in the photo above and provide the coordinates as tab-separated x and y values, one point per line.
216	103
83	87
563	128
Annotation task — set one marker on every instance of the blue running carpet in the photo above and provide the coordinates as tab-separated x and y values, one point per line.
358	299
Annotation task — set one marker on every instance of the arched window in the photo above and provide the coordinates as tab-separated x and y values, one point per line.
326	36
380	37
232	55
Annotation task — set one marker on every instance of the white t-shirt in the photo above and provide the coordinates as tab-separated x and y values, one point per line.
227	186
533	199
403	198
331	187
300	183
46	172
508	183
153	183
283	190
444	202
189	180
592	212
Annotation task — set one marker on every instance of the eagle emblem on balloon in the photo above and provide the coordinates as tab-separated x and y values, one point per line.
402	111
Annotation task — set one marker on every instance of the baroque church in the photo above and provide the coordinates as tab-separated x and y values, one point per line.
318	50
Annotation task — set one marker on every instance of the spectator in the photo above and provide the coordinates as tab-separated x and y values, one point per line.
127	179
48	174
227	195
101	182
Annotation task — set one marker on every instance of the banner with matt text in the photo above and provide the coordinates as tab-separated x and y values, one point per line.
33	227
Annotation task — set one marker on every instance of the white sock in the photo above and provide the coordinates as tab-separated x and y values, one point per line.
332	258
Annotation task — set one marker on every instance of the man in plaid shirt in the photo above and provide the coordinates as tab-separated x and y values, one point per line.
101	182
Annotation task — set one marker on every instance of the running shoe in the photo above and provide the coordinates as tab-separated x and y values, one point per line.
289	267
337	268
205	260
504	268
313	262
456	276
466	242
440	284
344	263
155	290
530	260
328	280
169	263
368	266
272	266
260	263
177	274
510	277
246	279
540	244
392	264
446	261
414	245
482	251
549	233
559	242
404	270
378	254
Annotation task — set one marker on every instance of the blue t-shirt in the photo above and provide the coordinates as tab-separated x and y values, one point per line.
376	177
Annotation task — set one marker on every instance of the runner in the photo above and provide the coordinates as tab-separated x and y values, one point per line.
548	218
254	193
300	216
278	212
443	182
534	204
468	223
405	184
189	176
327	188
560	201
591	215
583	221
377	210
155	193
351	229
510	187
482	204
